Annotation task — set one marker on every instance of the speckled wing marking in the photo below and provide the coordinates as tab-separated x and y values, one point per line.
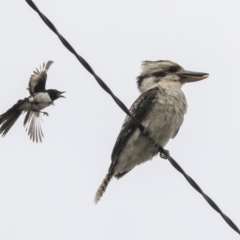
37	81
32	122
139	109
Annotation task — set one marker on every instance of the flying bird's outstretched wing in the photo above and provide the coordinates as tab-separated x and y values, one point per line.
32	122
37	81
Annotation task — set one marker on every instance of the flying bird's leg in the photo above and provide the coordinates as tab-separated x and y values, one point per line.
45	113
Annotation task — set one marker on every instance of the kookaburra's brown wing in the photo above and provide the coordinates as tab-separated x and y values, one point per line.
139	110
37	81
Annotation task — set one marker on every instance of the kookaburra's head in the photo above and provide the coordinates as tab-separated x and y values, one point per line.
157	72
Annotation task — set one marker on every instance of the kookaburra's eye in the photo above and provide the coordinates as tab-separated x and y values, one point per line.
172	69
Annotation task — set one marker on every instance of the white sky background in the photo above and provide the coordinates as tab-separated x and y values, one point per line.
47	190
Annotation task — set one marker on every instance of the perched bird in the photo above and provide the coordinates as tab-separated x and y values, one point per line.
39	99
160	108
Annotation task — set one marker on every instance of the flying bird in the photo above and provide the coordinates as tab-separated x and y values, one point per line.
39	99
160	108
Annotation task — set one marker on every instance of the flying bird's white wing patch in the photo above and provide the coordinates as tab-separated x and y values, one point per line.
32	122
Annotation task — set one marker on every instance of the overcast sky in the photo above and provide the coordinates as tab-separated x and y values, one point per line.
47	189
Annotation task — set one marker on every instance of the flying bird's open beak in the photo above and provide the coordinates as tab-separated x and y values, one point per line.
61	95
188	76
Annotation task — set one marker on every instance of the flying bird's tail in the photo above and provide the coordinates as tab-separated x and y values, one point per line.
7	120
103	186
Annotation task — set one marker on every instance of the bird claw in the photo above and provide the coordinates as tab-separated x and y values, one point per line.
165	155
45	113
145	132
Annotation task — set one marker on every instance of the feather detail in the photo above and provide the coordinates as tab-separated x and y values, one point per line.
32	122
103	187
7	120
38	80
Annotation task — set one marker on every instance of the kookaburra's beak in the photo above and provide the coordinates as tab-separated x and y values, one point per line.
61	95
188	76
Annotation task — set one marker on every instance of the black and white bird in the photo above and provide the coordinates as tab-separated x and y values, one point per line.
160	108
39	99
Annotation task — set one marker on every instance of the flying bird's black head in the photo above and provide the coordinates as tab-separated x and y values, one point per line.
55	94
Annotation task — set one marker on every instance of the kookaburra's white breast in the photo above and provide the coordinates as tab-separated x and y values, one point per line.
163	122
167	114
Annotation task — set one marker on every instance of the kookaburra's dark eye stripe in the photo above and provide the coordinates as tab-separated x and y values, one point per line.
158	74
154	74
140	79
172	69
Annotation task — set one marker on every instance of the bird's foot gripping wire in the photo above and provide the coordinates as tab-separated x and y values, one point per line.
165	154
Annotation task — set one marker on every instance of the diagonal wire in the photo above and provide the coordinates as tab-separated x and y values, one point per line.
207	198
163	153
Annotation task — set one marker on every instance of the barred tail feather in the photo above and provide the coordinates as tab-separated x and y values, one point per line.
103	187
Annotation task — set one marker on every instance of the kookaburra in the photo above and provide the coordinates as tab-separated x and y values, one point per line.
160	108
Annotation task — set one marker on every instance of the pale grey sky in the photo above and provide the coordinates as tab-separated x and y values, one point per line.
47	189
